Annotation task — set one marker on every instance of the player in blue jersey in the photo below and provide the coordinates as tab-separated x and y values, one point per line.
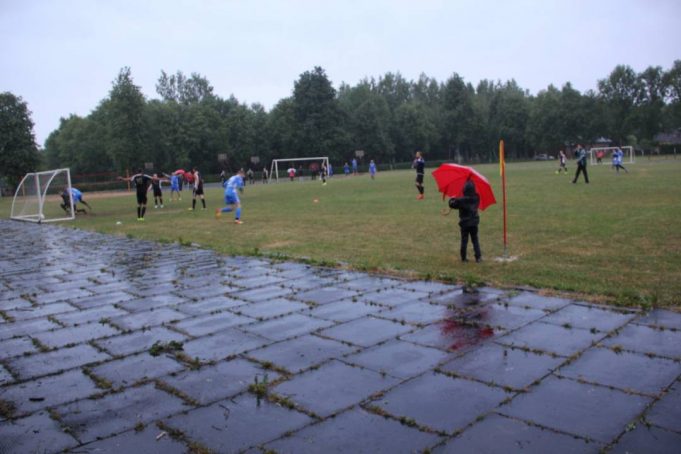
77	196
419	164
617	156
234	184
372	169
175	180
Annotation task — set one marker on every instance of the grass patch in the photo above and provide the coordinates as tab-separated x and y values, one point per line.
613	241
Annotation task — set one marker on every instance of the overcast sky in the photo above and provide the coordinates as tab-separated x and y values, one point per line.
61	56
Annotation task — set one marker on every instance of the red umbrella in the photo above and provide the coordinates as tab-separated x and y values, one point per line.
450	179
179	172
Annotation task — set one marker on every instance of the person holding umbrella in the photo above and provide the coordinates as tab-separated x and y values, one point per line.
468	219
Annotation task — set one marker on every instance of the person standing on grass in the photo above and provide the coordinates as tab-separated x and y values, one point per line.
346	169
354	166
265	176
581	164
563	162
323	171
234	184
372	169
174	186
156	187
468	219
419	164
198	189
141	181
617	157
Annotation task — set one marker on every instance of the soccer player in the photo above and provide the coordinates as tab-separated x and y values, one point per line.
198	189
265	176
581	164
232	201
291	172
175	186
617	156
77	196
468	219
346	169
562	161
323	171
354	166
419	164
372	169
141	181
158	194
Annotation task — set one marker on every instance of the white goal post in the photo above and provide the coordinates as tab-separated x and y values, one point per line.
38	197
629	155
274	167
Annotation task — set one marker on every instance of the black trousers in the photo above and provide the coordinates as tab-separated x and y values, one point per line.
473	233
581	168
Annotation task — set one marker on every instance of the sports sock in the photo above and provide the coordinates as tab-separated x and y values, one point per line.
238	213
193	203
203	201
226	209
139	212
144	209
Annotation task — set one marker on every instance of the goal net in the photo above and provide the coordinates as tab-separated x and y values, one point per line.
38	197
603	155
284	165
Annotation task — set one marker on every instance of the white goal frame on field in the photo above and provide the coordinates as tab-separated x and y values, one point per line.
274	167
628	151
34	189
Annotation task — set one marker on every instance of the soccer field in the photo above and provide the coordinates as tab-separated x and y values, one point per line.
615	240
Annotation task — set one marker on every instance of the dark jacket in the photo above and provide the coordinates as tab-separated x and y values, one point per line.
467	206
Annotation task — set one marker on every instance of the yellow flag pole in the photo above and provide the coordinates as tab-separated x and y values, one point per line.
502	170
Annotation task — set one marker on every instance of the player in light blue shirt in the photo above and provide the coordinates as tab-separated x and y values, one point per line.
77	196
372	169
234	184
617	156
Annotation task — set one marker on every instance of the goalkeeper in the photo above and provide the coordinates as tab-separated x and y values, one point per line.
232	201
77	196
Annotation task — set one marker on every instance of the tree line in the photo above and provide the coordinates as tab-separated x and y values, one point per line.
388	117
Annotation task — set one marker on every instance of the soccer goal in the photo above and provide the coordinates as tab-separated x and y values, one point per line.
38	197
606	154
274	168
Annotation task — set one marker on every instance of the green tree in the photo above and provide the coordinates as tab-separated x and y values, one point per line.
620	91
18	150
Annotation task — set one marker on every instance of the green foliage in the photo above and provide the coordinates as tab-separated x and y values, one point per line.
18	150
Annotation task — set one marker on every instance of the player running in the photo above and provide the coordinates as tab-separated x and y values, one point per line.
372	169
198	189
76	196
563	162
617	157
141	181
232	201
419	164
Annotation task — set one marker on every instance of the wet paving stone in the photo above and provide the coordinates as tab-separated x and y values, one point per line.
589	317
15	347
13	329
355	431
288	326
301	353
661	317
259	281
581	409
415	313
39	394
363	283
235	425
430	399
507	317
151	303
55	361
644	339
499	435
554	339
343	310
7	304
132	369
225	379
624	370
333	387
135	441
116	413
666	412
211	323
503	366
101	300
210	305
429	287
147	319
138	341
399	359
451	335
96	314
75	335
47	298
5	376
40	311
37	433
228	342
272	308
535	301
393	297
366	331
262	294
324	295
648	439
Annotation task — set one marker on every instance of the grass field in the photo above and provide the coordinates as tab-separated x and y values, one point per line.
616	240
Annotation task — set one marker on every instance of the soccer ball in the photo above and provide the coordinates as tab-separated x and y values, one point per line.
118	223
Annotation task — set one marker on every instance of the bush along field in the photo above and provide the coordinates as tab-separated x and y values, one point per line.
615	240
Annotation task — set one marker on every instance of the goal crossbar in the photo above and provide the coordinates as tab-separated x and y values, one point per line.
607	153
274	167
41	194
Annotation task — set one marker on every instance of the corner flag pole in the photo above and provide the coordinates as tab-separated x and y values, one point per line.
502	171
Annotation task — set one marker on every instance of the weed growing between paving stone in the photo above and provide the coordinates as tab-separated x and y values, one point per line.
163	386
101	383
160	347
7	409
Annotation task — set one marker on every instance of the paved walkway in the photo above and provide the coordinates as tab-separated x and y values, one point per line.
110	344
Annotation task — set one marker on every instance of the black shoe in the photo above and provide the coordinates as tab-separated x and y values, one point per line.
478	259
464	260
